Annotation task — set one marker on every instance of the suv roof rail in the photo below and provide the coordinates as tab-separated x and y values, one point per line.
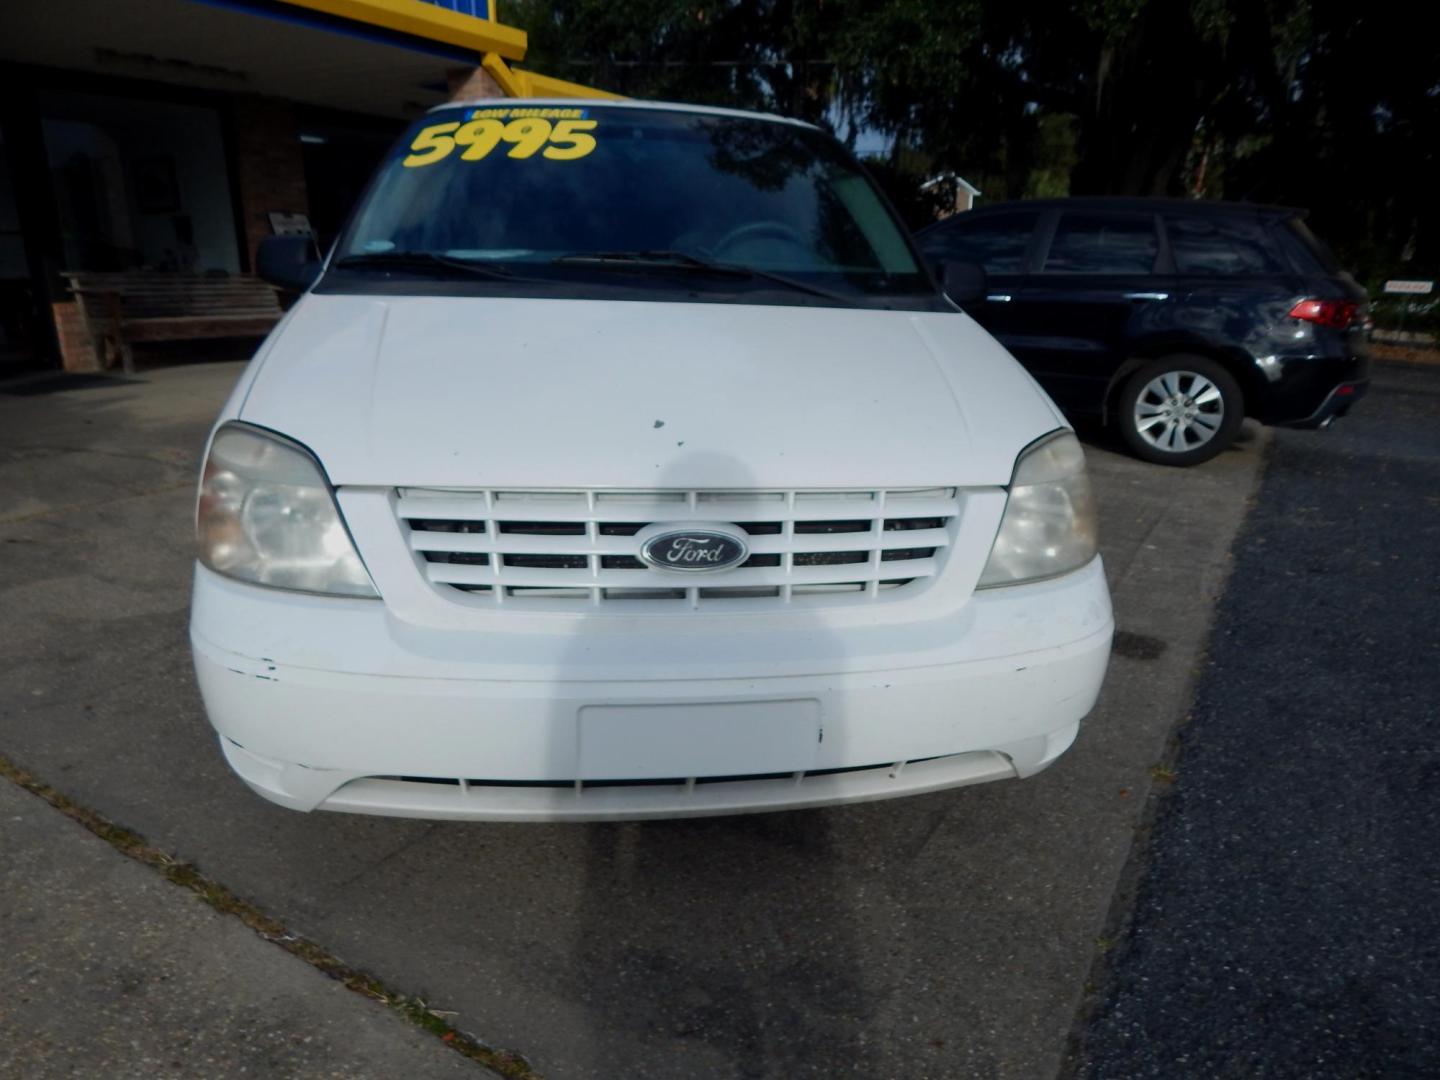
1141	202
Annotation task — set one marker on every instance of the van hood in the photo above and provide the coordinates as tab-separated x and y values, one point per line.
491	392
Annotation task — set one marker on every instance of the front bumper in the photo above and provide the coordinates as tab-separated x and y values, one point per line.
413	736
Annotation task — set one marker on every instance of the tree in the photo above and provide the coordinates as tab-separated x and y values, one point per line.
1316	103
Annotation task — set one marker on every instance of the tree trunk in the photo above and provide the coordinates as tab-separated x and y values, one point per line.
1141	121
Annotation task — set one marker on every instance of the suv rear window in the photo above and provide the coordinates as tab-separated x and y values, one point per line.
1103	244
995	241
1311	248
1216	245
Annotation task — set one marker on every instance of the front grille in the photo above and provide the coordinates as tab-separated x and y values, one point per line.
577	548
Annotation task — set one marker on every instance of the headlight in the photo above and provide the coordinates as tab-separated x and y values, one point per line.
1049	523
266	515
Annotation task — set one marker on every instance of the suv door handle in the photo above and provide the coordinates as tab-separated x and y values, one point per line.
1147	296
999	298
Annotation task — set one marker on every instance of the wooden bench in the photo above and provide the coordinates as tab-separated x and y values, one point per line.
129	306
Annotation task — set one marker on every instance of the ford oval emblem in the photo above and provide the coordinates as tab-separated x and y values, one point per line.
694	550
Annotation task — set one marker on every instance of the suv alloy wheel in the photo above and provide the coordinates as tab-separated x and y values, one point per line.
1179	410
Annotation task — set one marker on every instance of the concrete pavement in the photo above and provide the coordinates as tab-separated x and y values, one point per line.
943	936
109	970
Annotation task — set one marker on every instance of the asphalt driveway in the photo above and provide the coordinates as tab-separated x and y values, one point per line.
1288	925
942	936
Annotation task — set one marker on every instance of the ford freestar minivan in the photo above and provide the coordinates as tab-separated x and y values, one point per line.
623	460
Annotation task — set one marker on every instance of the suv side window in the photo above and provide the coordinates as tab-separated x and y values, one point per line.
1214	245
996	241
1103	243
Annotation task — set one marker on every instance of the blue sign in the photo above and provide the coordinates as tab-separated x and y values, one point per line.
480	9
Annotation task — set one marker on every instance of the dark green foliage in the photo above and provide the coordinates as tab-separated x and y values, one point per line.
1413	314
1316	103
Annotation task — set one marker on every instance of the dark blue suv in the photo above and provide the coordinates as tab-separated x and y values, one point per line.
1172	319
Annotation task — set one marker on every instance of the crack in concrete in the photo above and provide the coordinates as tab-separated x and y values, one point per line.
98	451
34	515
346	882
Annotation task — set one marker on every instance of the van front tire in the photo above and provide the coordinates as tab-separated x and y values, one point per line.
1179	410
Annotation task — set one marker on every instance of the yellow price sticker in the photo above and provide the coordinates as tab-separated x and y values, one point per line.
562	140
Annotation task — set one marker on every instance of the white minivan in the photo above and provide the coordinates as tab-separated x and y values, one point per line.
624	460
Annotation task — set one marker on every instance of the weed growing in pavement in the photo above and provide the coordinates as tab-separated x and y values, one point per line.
132	845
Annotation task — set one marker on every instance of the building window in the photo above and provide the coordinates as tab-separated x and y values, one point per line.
139	184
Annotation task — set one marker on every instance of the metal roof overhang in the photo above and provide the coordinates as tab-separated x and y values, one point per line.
392	62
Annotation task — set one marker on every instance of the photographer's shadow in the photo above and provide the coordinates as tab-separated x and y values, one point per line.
709	946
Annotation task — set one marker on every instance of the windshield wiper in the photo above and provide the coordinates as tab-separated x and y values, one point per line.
684	261
432	261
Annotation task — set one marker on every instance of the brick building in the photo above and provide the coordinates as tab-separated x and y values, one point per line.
174	135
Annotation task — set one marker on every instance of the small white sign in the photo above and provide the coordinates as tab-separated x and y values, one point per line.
1411	288
282	224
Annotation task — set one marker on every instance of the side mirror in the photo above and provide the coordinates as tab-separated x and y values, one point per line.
963	282
291	262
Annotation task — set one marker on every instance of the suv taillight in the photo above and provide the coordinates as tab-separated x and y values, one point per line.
1336	314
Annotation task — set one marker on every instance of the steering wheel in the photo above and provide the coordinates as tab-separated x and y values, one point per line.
757	230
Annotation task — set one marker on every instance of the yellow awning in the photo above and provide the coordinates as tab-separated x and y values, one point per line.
490	40
427	21
527	84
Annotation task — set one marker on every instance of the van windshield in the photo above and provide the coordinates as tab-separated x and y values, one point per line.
556	200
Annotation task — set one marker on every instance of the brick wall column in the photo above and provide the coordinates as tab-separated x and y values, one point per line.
270	164
471	84
77	352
